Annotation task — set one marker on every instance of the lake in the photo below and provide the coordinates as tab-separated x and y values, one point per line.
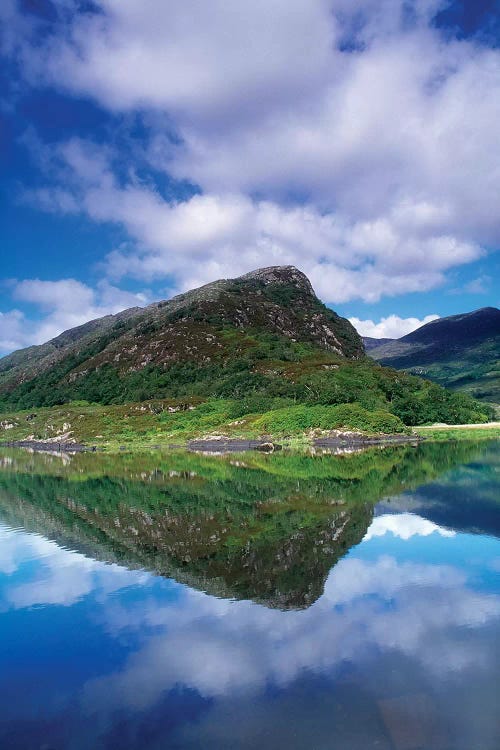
171	601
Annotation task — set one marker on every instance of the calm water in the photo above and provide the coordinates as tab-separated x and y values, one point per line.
172	601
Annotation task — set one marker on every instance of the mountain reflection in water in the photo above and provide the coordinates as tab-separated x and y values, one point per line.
367	592
267	528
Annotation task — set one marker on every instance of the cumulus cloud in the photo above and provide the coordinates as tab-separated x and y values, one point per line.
63	304
404	526
392	327
211	58
211	236
336	124
12	333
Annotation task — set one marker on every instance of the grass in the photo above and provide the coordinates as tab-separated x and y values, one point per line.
487	431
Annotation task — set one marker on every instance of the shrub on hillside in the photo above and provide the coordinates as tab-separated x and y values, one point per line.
299	418
357	417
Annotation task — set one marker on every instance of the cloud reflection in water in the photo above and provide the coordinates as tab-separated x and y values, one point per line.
381	616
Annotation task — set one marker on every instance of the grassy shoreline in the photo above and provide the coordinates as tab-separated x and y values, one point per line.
164	423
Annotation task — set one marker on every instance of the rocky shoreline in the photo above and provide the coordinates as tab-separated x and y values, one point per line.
359	441
231	445
345	441
41	445
334	441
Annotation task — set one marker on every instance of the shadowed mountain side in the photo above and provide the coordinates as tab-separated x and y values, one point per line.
371	343
460	352
267	529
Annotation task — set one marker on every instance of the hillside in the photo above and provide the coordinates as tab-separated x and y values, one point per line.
461	352
214	323
256	344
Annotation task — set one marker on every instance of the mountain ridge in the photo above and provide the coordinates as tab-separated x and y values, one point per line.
372	343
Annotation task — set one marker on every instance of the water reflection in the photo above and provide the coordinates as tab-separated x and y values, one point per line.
267	528
393	645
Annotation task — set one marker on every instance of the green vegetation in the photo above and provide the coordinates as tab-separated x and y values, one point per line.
250	391
463	432
298	419
477	373
272	367
178	420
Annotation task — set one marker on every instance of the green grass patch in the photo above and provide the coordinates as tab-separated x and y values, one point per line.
459	433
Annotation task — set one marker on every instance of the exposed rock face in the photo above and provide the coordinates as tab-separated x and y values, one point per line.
191	327
281	275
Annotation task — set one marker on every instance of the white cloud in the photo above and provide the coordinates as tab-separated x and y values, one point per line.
223	648
196	60
404	526
64	304
11	330
213	236
54	295
392	327
480	285
61	576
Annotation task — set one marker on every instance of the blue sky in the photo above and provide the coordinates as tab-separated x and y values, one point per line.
149	147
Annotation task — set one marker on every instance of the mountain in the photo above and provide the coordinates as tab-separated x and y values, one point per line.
461	352
263	340
200	326
371	343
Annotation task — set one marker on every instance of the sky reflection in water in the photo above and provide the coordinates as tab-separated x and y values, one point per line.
401	650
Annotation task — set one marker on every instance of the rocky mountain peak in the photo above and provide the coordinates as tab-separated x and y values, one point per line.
289	275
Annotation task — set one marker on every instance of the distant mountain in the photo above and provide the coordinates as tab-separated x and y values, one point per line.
371	343
461	352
